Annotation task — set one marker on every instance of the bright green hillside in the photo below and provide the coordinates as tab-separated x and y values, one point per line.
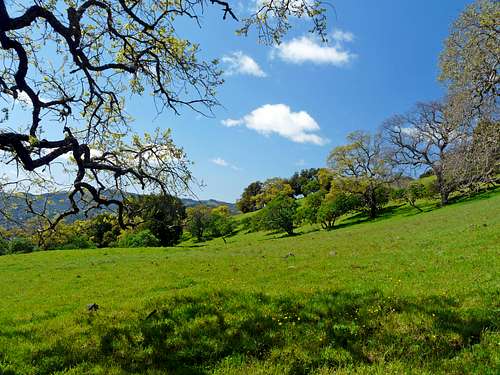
407	293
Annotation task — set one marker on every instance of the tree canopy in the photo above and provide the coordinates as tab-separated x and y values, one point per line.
75	64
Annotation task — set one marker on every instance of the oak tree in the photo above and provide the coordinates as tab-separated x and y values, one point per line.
74	65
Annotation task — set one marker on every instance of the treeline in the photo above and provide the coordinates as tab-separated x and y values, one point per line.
158	220
368	171
456	140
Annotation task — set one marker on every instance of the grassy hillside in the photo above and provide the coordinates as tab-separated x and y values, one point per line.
407	293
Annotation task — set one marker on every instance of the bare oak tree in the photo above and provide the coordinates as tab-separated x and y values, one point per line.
427	137
73	65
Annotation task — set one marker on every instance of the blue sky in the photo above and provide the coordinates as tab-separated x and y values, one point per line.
287	107
392	63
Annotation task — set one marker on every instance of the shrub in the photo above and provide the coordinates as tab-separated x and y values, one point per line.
279	214
143	238
334	206
221	224
198	221
162	215
414	191
308	212
78	242
4	246
21	246
253	223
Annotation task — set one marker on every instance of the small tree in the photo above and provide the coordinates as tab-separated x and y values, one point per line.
142	238
279	214
103	230
308	211
361	167
198	221
221	223
271	189
247	201
306	177
414	191
335	205
162	215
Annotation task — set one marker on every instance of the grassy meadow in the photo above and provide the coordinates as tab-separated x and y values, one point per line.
407	293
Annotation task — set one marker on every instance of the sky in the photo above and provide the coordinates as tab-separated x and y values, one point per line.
283	108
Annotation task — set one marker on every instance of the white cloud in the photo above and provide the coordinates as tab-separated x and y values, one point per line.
310	49
230	122
300	163
342	36
223	163
298	127
239	63
220	161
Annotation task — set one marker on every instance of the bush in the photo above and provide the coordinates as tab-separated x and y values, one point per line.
144	238
414	191
308	212
4	246
198	221
398	194
279	214
21	246
162	214
334	206
221	224
78	242
252	224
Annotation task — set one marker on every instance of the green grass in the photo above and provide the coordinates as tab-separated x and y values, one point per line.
406	293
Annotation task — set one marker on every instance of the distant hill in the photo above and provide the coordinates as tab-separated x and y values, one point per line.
15	205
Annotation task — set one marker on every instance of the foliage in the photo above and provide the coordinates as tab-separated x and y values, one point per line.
336	204
221	223
429	172
414	191
4	246
141	238
476	161
253	223
247	201
111	52
162	215
469	62
103	230
198	221
308	210
353	301
325	178
361	167
271	189
67	236
426	137
20	245
304	182
279	214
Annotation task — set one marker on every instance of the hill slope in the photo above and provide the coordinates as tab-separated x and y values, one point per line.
407	293
16	207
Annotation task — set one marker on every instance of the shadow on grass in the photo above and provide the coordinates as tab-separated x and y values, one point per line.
300	333
483	194
190	246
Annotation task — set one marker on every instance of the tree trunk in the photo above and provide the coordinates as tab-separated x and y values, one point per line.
443	191
444	198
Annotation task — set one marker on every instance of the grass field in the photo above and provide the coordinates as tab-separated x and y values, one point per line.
406	293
